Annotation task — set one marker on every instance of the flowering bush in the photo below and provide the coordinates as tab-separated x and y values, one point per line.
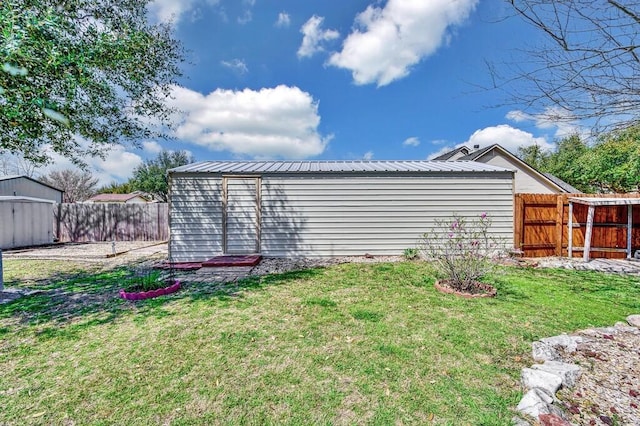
461	249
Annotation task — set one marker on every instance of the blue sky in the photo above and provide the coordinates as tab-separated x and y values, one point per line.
321	79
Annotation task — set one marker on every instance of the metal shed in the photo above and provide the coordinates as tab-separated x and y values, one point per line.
326	208
25	221
24	186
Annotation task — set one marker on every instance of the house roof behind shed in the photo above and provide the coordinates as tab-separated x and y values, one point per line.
335	166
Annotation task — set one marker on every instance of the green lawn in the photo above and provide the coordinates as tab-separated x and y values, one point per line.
350	344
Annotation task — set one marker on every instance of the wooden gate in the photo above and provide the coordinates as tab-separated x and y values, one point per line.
540	226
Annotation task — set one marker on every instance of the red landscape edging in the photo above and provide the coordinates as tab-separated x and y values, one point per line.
142	295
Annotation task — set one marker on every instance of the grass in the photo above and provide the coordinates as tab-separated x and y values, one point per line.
350	344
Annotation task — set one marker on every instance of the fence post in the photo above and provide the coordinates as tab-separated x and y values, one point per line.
1	272
518	219
559	223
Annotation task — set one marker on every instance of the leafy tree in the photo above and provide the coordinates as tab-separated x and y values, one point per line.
587	68
151	176
80	76
568	163
77	185
613	164
533	155
116	188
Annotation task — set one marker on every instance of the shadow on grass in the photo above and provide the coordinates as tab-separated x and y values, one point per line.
91	298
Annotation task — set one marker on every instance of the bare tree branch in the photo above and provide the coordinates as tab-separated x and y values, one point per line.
588	67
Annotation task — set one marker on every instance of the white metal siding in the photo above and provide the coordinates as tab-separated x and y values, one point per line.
195	219
25	223
23	187
338	215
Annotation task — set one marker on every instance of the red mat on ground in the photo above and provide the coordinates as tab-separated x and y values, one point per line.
220	261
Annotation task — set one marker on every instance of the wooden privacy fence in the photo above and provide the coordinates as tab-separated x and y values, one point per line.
112	222
540	226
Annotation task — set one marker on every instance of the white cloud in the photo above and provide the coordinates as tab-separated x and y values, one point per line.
412	141
117	165
314	37
283	20
152	147
236	65
368	156
551	118
174	10
388	41
507	137
247	15
504	135
280	122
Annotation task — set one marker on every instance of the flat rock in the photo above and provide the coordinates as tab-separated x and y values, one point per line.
634	320
536	402
552	420
568	373
543	352
564	341
532	378
518	421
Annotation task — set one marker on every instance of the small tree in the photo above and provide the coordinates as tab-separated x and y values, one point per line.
77	185
461	249
151	176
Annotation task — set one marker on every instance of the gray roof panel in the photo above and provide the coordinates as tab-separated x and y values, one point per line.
337	166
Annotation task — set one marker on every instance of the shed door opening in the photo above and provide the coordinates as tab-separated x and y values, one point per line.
241	215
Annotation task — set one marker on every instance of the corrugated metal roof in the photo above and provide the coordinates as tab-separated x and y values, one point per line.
335	166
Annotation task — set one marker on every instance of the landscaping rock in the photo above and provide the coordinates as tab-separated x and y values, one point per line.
536	402
568	373
517	421
532	378
566	342
543	352
609	332
634	320
552	420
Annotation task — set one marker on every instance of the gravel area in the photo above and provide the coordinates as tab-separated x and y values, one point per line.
121	252
608	391
615	266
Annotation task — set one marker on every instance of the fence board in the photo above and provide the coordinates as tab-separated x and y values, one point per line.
541	225
112	222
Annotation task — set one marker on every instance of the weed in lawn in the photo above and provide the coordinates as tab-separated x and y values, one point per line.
320	301
366	315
